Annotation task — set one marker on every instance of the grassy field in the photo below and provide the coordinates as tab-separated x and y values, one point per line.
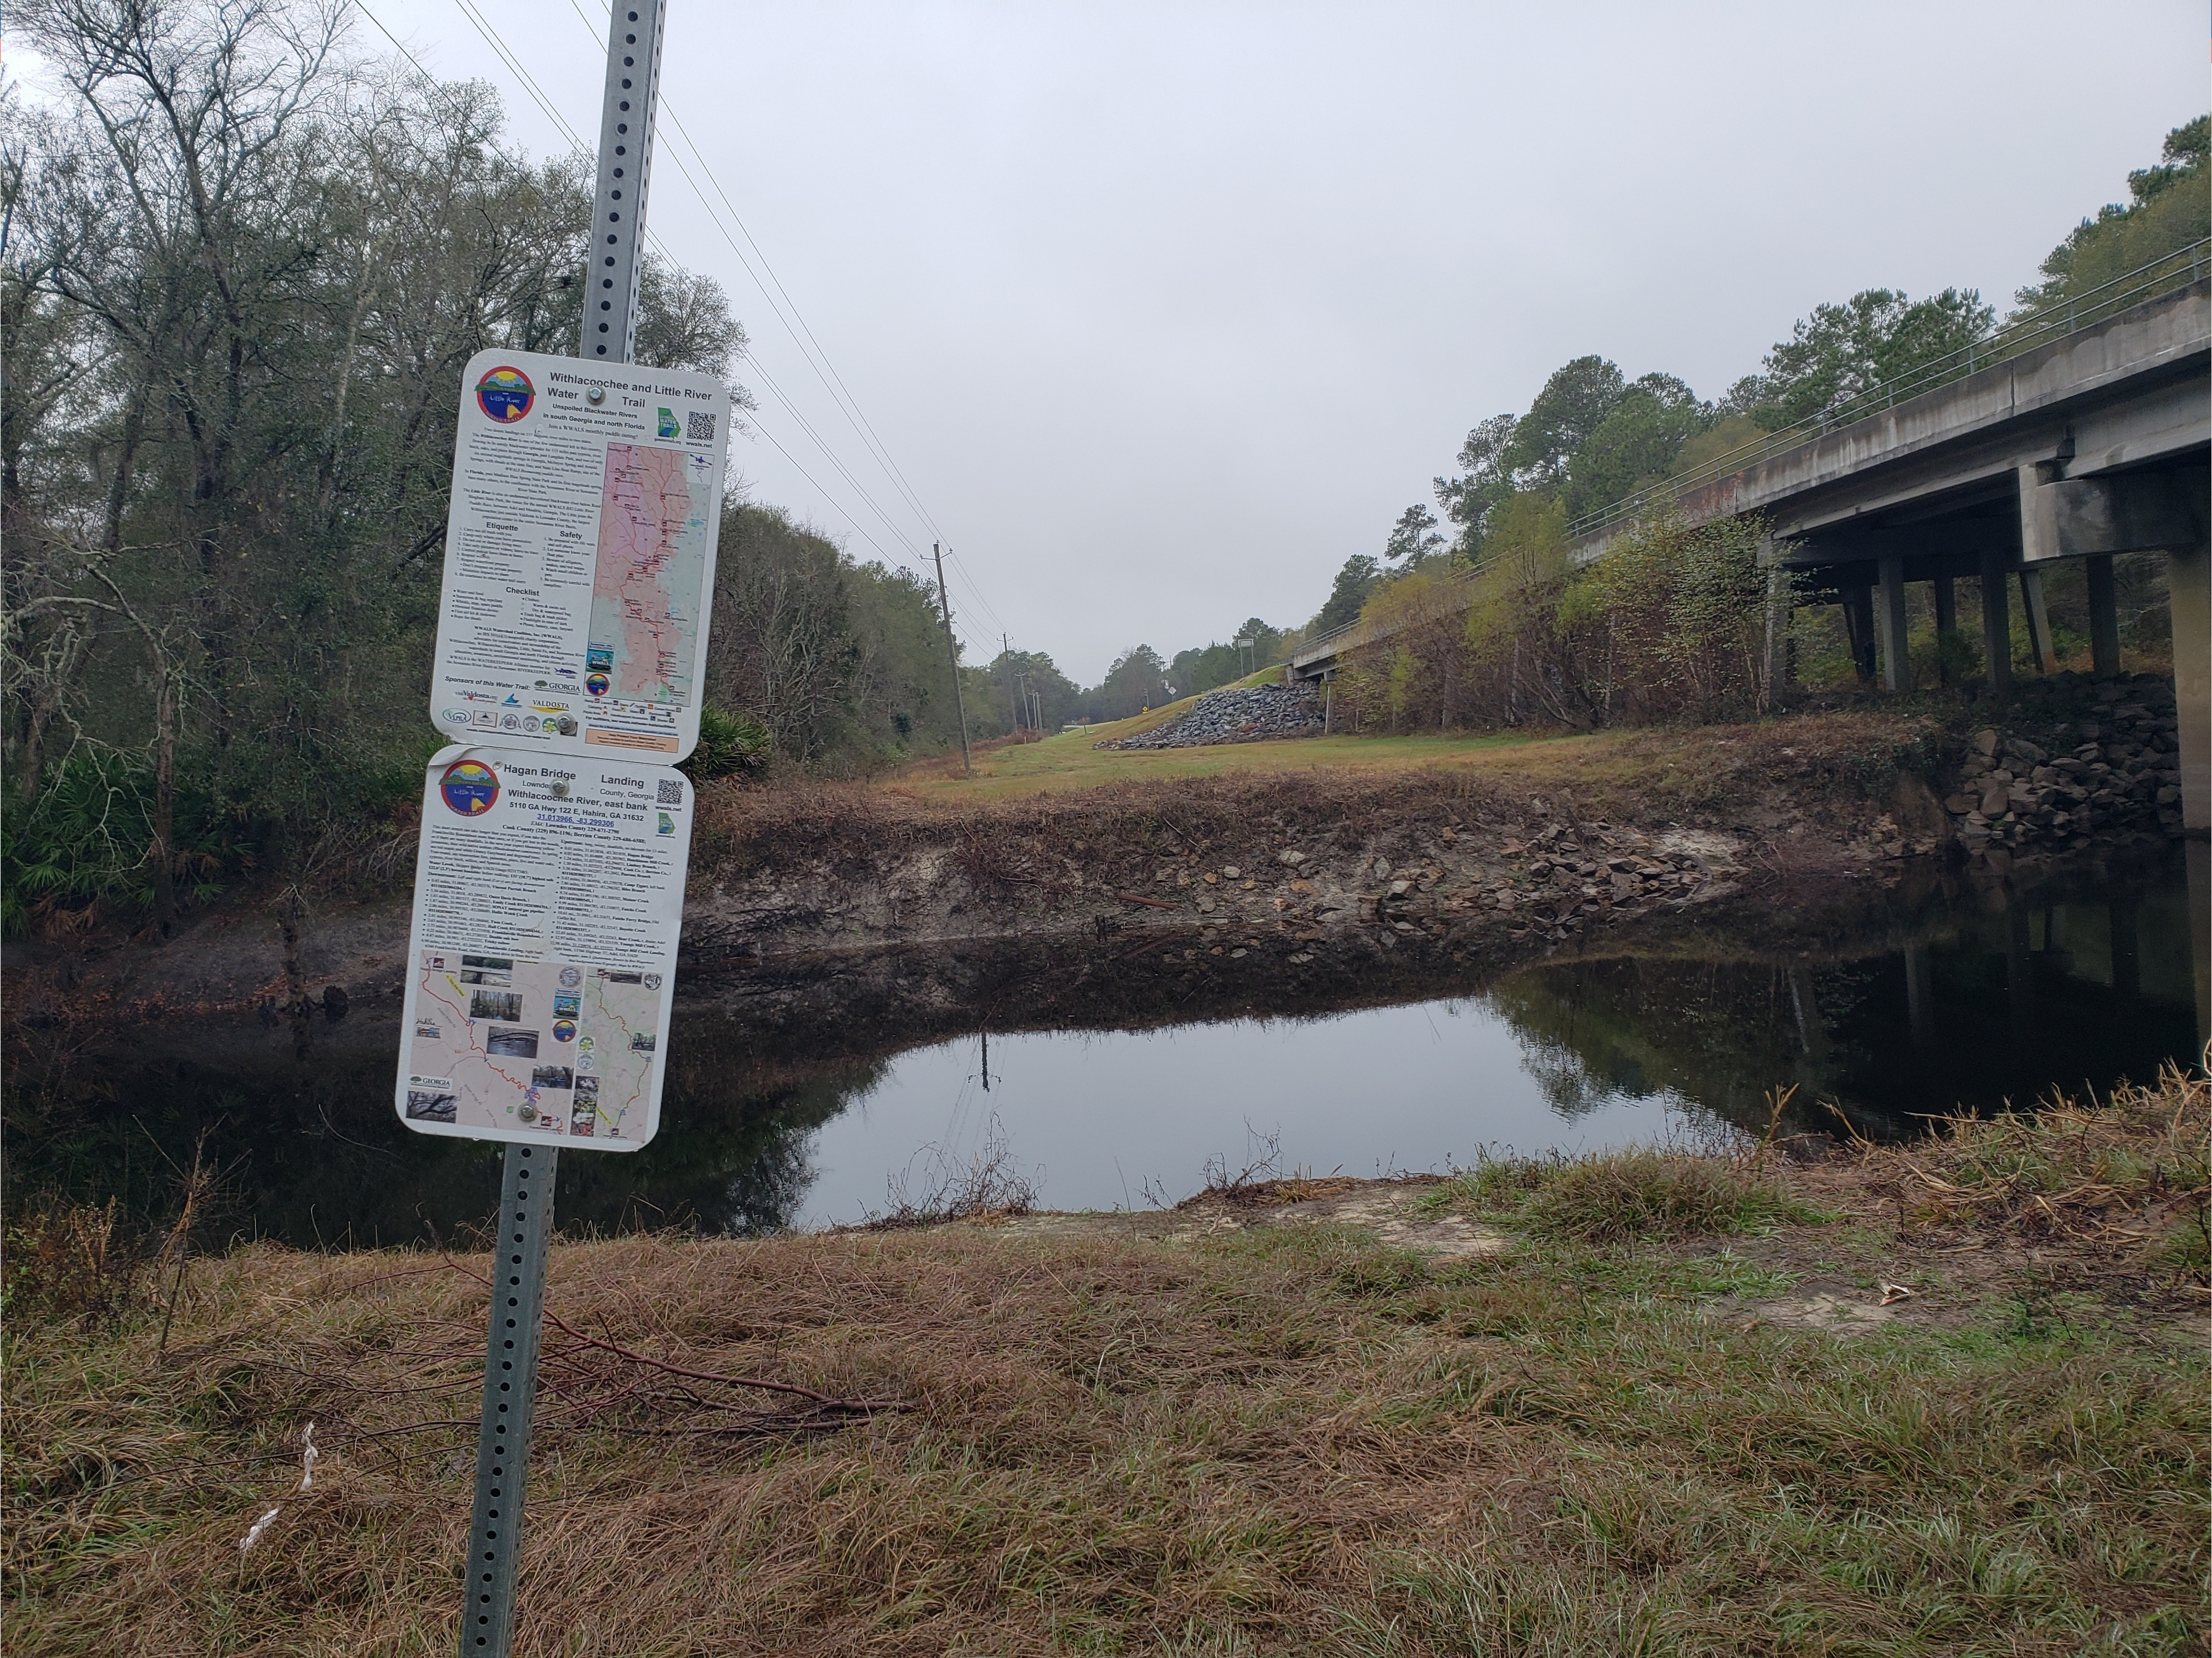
1944	1400
1070	760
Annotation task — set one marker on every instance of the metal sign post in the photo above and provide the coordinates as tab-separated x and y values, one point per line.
612	266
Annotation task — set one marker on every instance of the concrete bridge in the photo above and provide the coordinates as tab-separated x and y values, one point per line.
2093	443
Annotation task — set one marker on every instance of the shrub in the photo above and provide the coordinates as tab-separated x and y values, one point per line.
727	743
1613	1196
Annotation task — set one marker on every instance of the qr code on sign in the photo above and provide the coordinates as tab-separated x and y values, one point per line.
699	427
672	793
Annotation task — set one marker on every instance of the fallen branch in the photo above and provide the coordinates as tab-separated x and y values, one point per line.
826	1401
1153	903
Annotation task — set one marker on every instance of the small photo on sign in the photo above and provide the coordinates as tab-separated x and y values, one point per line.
512	1044
552	1076
487	971
495	1004
429	1105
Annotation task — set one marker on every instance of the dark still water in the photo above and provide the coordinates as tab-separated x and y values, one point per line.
1970	1002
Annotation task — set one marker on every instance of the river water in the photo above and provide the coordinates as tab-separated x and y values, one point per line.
1977	1006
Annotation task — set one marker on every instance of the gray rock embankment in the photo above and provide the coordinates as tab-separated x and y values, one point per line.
2075	763
1252	713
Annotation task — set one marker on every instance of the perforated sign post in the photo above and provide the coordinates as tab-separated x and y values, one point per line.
549	888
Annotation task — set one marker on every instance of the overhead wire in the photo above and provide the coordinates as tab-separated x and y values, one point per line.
794	323
791	406
815	356
553	114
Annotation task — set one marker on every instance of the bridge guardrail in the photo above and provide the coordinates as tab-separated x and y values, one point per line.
2021	335
2016	339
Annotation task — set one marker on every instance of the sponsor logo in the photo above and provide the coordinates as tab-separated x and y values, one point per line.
469	788
506	395
564	1030
668	426
455	716
598	684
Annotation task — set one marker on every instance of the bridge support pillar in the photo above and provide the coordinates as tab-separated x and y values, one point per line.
1889	625
1947	624
2039	622
1997	620
2103	613
2189	595
1778	631
1858	624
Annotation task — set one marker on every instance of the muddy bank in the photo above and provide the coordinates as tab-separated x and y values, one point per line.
1549	848
812	910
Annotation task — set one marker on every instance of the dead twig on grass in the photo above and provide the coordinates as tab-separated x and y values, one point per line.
827	1401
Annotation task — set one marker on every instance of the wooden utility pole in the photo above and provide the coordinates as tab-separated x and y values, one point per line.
953	653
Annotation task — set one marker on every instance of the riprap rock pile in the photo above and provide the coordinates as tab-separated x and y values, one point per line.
1248	715
2078	759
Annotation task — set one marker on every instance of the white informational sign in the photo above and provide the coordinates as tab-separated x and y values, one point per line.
549	894
580	555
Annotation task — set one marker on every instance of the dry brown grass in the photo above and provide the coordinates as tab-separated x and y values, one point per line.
2132	1174
1849	759
1288	1439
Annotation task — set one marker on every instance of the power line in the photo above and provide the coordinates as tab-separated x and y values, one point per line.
529	83
811	347
796	325
507	55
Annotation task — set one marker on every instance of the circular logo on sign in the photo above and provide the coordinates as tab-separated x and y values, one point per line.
505	394
470	786
564	1030
597	683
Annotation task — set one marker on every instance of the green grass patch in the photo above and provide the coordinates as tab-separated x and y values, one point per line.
1613	1196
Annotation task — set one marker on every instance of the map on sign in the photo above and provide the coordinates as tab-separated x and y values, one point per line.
580	555
552	1044
549	898
655	530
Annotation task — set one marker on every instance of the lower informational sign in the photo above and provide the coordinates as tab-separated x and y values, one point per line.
549	894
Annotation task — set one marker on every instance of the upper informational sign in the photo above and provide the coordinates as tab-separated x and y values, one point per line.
580	555
549	892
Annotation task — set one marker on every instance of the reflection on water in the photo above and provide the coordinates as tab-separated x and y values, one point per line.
1984	1008
1973	1006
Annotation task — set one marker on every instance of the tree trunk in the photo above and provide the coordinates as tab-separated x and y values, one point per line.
165	799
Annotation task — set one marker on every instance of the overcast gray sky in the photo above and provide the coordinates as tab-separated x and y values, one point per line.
1165	310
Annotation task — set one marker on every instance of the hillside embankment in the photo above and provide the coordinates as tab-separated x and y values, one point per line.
1941	1398
1483	855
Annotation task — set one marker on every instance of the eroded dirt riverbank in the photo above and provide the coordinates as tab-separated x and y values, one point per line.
817	912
